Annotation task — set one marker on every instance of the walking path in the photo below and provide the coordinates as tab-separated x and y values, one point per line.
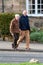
34	47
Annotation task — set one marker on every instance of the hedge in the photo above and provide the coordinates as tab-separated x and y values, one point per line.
5	19
37	36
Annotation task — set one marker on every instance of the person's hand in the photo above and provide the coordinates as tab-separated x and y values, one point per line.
20	32
11	33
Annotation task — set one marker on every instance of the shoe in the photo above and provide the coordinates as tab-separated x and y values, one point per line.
16	45
27	48
12	45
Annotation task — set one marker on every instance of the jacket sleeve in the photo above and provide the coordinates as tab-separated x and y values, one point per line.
11	26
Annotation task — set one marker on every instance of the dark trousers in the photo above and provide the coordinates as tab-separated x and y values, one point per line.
16	37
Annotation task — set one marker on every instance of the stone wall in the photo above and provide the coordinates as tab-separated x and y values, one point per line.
16	6
22	5
19	6
36	22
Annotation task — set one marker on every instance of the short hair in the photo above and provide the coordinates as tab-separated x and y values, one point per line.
17	15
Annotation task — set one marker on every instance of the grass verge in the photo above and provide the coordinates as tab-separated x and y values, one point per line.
21	63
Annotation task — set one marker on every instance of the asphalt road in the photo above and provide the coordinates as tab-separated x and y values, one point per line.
16	57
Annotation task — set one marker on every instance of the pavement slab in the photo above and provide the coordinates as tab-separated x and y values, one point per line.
7	46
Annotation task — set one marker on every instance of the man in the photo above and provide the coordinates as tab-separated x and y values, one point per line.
14	30
24	28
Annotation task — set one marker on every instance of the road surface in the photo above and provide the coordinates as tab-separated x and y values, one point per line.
16	57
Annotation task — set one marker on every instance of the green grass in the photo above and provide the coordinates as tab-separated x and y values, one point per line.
22	64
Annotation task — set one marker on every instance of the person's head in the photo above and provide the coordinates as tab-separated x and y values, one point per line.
24	12
17	16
